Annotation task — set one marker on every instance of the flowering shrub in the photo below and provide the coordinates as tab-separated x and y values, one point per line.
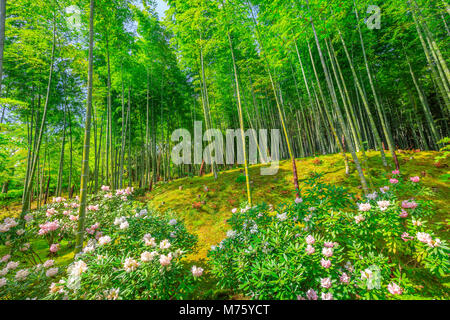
320	248
130	253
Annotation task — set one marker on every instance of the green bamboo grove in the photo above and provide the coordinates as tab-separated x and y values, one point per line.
91	97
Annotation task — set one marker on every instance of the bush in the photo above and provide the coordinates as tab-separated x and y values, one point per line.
320	248
130	253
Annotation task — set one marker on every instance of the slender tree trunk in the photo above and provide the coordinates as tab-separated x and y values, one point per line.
87	137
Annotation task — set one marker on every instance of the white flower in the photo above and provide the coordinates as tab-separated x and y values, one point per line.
172	222
22	274
327	252
51	272
124	225
231	233
282	216
366	274
196	271
364	206
104	240
372	196
148	256
130	264
77	268
4	272
359	218
119	221
424	237
113	294
12	265
165	260
2	282
165	244
88	249
48	263
149	241
383	204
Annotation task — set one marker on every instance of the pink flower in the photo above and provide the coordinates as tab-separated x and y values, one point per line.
415	179
327	296
234	210
384	189
48	227
344	278
54	248
93	208
409	205
197	271
75	205
424	237
325	263
329	244
5	258
311	294
298	200
310	249
327	252
73	218
396	172
406	237
105	188
364	206
310	239
28	217
108	195
325	283
165	260
359	218
395	288
50	212
404	214
393	181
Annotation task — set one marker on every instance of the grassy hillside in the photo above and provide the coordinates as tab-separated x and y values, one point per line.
205	204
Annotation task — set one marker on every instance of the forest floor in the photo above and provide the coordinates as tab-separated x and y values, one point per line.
205	204
209	220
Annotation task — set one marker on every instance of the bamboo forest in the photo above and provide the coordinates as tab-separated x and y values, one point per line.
224	150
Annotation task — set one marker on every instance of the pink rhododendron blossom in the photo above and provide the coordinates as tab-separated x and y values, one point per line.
196	271
394	288
364	206
327	296
417	223
49	263
48	227
73	218
5	258
310	239
359	218
325	263
415	179
384	189
52	272
50	212
105	188
298	200
329	244
383	205
396	172
234	210
393	180
12	265
403	214
310	249
165	260
21	275
148	256
75	205
406	237
325	283
93	208
327	252
108	196
311	294
130	265
409	204
54	248
344	278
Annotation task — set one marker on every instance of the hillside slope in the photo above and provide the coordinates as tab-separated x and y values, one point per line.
205	204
